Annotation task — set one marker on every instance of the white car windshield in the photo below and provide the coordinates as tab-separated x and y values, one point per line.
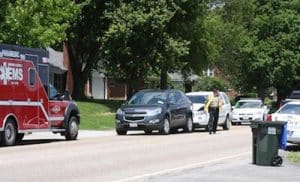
197	99
290	109
148	98
245	104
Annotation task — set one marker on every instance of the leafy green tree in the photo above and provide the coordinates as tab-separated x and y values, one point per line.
277	38
235	43
188	23
147	37
261	44
84	42
210	83
137	42
36	23
3	12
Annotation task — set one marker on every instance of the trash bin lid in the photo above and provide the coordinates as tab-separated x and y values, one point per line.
277	124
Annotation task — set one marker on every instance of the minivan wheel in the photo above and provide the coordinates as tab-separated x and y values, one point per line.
121	132
165	130
9	134
148	132
189	125
227	124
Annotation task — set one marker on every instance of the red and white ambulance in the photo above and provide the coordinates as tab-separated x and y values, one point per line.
28	101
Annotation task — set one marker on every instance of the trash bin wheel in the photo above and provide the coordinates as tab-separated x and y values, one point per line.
277	161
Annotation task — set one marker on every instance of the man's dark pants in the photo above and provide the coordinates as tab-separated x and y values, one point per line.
213	119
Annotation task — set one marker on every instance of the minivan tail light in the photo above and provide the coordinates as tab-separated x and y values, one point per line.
269	117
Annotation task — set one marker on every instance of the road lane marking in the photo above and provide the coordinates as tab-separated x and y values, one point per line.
186	167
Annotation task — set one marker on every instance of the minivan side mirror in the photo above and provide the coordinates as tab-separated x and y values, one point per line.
232	107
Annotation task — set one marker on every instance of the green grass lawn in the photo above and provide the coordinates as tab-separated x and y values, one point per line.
98	114
294	157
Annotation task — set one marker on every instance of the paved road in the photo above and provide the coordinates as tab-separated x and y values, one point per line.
103	156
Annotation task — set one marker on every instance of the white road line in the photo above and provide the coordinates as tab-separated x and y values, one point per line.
186	167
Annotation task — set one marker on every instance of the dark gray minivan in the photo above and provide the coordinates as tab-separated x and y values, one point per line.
162	110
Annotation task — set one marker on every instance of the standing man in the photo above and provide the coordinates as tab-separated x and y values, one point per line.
213	106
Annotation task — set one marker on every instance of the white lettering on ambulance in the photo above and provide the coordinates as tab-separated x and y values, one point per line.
10	72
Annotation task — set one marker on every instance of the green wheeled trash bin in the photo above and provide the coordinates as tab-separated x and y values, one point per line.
266	140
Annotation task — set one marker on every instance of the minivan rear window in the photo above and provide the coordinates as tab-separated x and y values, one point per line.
197	99
148	98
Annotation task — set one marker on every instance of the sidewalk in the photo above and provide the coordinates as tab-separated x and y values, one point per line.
237	170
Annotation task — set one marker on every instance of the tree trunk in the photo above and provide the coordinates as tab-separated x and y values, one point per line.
188	86
163	78
261	92
79	77
79	86
132	87
281	95
130	91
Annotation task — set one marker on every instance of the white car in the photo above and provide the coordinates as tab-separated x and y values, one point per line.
201	117
290	112
247	110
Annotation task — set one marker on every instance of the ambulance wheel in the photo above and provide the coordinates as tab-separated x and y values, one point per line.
9	134
72	129
20	136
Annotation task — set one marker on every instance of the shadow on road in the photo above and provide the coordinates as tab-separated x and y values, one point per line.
38	141
293	148
242	124
200	130
179	131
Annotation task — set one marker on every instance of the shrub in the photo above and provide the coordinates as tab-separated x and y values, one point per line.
210	83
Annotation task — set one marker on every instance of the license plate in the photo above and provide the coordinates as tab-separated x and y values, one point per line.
133	125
